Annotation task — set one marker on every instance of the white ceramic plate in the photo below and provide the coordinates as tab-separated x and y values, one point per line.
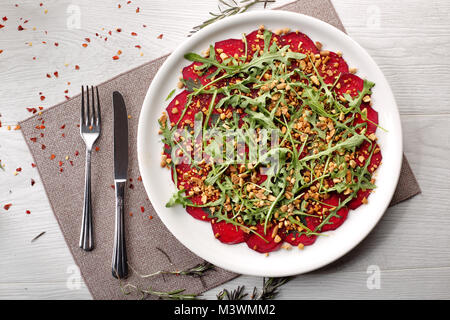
197	235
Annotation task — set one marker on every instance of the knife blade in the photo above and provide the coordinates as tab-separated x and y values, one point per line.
119	259
120	137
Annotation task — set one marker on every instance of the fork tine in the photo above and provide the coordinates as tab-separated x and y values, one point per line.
93	116
83	118
88	109
98	108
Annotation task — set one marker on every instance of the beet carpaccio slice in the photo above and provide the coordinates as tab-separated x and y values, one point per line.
295	238
227	232
299	42
265	245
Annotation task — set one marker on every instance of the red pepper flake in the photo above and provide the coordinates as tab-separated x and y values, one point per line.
137	46
41	4
71	162
131	186
56	44
110	32
1	26
40	127
134	34
142	209
119	30
60	163
1	51
48	75
33	165
131	214
42	98
4	18
41	108
42	135
150	217
28	212
113	186
7	206
139	178
43	147
20	28
34	139
144	26
63	126
52	157
87	39
19	169
119	52
66	91
128	2
76	153
84	45
61	169
137	10
32	110
160	36
56	74
26	21
115	57
119	6
77	67
32	182
97	149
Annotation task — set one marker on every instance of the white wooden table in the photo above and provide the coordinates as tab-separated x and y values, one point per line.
406	256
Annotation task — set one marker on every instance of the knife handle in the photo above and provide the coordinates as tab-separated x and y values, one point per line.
119	259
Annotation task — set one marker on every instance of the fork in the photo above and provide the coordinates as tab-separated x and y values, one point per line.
90	131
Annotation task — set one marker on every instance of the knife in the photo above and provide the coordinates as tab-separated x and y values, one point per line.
119	259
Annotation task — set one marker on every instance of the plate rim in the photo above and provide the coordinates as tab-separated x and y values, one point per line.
220	25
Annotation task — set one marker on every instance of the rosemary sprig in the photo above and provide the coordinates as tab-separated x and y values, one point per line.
236	294
269	291
270	288
196	271
171	295
230	8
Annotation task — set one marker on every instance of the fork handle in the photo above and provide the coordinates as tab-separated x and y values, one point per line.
119	259
86	236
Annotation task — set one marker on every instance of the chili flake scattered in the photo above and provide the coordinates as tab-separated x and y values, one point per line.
33	165
160	36
52	157
32	182
142	209
20	28
115	57
7	206
97	148
77	67
28	212
134	34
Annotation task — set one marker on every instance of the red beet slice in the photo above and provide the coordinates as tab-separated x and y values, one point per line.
227	232
372	118
230	47
198	213
299	42
335	66
190	73
254	42
336	221
358	201
295	238
349	83
254	242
